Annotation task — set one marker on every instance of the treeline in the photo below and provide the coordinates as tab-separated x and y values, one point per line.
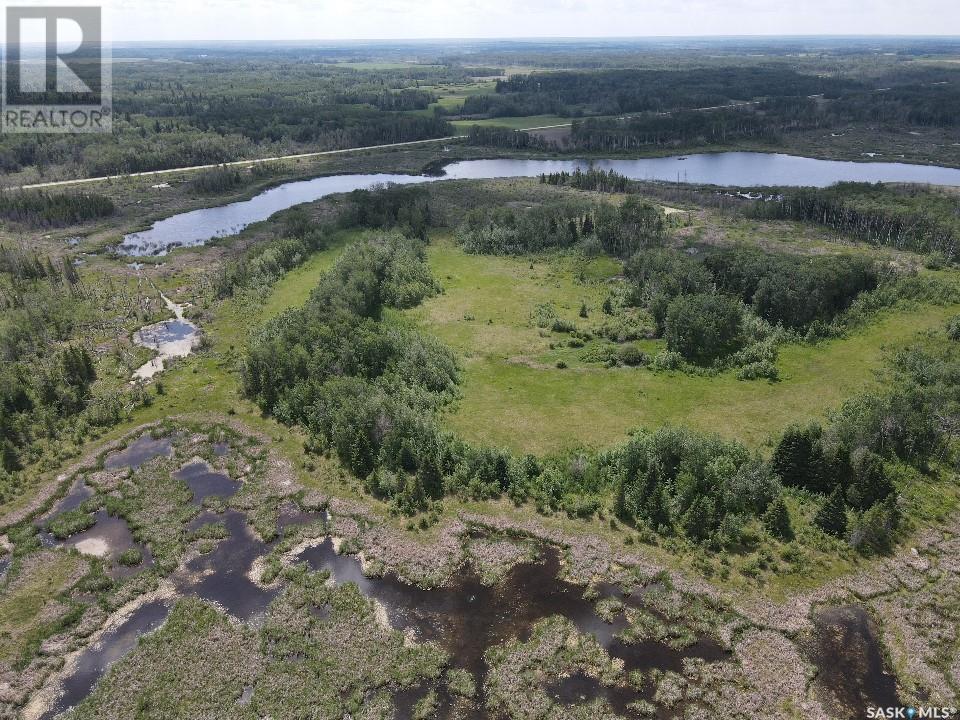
364	388
494	136
917	219
393	101
608	181
266	262
618	231
395	207
687	127
612	92
665	102
910	422
39	209
53	390
920	103
847	469
391	206
330	131
769	121
30	265
48	402
218	110
227	177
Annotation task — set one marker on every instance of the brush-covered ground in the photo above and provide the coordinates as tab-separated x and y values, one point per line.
530	388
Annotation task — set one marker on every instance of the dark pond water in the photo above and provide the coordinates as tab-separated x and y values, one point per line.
851	672
108	539
468	617
138	452
204	482
740	169
220	576
580	688
94	661
78	492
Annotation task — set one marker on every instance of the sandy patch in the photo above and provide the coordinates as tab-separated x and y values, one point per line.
98	547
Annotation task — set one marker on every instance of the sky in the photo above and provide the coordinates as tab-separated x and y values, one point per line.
237	20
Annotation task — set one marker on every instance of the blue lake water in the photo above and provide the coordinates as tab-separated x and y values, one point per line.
736	169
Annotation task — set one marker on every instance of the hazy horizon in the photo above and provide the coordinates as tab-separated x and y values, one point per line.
542	38
373	20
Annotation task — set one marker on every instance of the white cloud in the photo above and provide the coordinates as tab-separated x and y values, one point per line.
343	19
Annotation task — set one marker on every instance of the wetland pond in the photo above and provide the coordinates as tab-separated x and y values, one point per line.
738	169
466	617
170	339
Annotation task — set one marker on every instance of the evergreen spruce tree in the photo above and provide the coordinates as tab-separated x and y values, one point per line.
798	459
832	516
777	520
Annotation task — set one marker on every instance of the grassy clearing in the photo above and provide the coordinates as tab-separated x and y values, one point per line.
450	97
517	123
27	601
514	395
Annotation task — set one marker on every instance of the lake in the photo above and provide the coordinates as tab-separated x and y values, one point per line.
738	169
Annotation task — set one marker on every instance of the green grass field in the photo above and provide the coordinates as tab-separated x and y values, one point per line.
28	600
514	396
517	123
450	97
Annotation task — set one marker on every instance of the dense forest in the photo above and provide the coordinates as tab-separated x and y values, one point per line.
622	110
613	92
212	107
211	110
907	217
43	209
48	402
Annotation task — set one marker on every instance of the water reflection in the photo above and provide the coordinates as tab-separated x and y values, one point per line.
741	169
93	662
138	452
851	669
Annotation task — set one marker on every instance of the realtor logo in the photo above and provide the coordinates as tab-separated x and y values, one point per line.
56	71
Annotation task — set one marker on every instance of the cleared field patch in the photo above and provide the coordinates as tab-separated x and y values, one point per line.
516	123
514	395
28	603
450	97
